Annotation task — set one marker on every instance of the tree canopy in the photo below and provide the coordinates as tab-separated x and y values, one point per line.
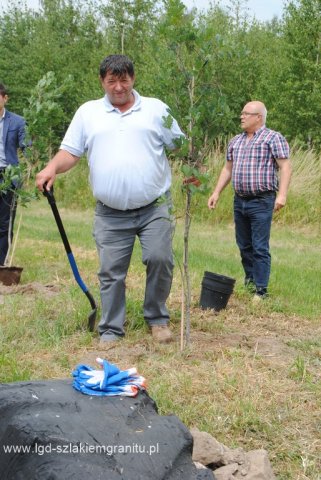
232	58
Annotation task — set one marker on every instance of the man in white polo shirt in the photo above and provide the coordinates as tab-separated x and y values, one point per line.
124	136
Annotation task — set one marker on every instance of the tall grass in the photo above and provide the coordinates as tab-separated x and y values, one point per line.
304	199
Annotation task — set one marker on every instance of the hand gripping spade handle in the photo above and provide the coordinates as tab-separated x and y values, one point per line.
52	202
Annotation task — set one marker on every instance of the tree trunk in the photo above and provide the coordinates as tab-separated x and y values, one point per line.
187	284
187	224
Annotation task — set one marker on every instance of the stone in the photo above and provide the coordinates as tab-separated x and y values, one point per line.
207	450
63	434
230	464
226	472
259	466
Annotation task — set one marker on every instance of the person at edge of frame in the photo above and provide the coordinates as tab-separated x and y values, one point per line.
124	135
12	138
258	165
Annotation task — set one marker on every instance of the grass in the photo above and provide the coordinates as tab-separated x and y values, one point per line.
251	376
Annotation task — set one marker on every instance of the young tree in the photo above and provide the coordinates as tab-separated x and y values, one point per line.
42	115
189	59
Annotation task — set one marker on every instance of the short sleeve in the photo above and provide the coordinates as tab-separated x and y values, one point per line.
170	130
74	139
279	147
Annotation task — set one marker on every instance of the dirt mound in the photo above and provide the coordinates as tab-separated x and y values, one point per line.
29	288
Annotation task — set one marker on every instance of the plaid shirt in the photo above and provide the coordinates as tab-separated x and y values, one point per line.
254	163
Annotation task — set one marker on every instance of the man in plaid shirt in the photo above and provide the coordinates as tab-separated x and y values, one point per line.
258	165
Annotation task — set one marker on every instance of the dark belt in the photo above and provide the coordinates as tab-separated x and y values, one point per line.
141	208
130	209
166	194
246	196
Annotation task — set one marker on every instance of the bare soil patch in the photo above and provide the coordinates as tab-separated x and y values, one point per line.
33	288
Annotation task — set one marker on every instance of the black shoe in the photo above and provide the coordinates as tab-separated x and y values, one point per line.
262	292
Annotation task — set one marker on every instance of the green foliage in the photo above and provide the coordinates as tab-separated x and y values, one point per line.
302	80
14	178
128	25
232	58
44	116
168	121
61	37
12	174
199	182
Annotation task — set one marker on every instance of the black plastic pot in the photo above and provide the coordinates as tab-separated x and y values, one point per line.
216	291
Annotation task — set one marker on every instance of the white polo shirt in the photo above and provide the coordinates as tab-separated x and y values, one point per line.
126	156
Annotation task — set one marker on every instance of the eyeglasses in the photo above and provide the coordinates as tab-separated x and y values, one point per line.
246	114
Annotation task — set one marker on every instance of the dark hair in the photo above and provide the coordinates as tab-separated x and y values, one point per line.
118	65
3	90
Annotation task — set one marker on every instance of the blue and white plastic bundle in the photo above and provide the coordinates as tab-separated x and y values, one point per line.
108	381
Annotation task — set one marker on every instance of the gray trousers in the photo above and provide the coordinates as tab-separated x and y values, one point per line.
115	232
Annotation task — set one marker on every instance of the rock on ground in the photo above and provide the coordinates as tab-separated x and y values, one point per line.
63	434
230	464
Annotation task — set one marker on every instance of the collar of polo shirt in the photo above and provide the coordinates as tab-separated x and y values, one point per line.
110	107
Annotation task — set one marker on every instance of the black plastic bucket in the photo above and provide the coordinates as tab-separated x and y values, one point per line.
216	291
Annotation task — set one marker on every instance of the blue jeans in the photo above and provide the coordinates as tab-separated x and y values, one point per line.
253	219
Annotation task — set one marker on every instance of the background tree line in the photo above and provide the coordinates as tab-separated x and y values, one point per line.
231	57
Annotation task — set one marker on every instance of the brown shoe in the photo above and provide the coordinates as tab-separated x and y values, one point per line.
161	333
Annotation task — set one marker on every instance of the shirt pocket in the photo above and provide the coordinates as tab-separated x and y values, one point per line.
261	152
